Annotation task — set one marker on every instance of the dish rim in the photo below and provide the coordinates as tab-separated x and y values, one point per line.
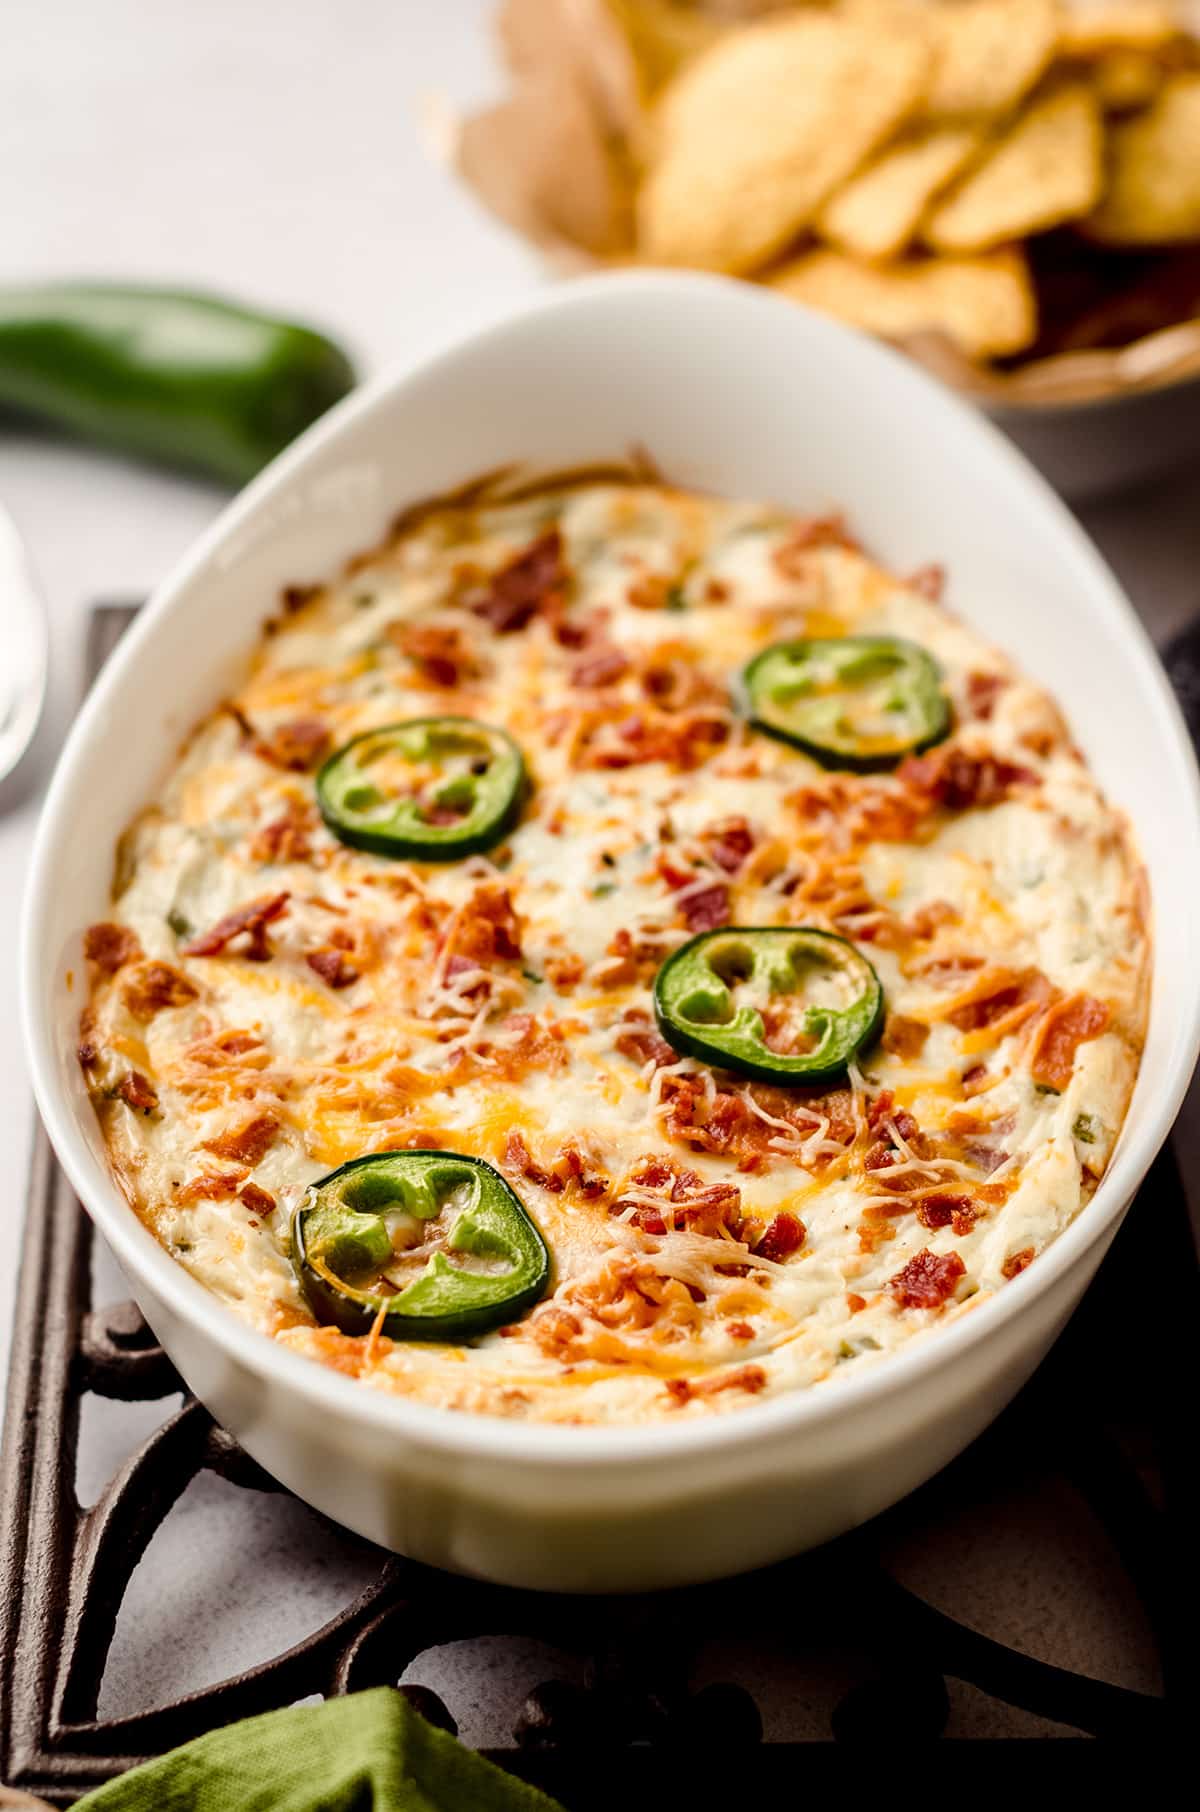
474	1433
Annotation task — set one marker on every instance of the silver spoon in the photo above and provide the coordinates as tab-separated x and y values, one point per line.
24	649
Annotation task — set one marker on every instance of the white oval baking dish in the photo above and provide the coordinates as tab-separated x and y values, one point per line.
731	389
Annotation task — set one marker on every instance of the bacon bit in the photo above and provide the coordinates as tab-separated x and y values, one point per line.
441	652
1001	999
109	946
1016	1262
948	971
564	972
751	1378
882	1110
983	689
579	1172
556	1331
961	782
466	965
535	1046
984	1157
517	1157
716	591
627	1296
955	1211
649	591
672	873
927	920
212	1053
789	557
785	1235
485	928
673	678
534	581
297	746
1066	1025
295	597
684	742
709	1208
928	582
602	668
883	1119
249	921
843	815
904	1037
210	1186
927	1280
87	1053
976	1080
288	837
258	1201
572	634
155	986
333	968
726	1125
639	1040
855	1303
633	959
908	1183
138	1092
707	908
739	1330
729	842
246	1144
875	1227
721	1124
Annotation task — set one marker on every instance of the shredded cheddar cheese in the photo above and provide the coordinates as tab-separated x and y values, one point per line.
267	1003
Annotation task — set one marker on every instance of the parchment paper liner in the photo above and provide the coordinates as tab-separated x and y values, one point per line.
554	162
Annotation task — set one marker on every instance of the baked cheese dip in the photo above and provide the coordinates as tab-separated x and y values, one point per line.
619	955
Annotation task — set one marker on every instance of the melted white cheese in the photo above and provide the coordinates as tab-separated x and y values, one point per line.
1043	881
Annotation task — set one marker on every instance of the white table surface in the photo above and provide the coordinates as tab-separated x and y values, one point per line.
274	149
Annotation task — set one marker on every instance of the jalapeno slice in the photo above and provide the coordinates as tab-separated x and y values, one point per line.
353	1231
786	1004
431	789
856	701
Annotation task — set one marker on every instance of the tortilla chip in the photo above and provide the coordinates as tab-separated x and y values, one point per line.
985	304
877	213
1125	79
987	54
758	131
1153	193
1090	29
1046	168
662	38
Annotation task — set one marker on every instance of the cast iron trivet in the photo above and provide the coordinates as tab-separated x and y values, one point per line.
1109	1420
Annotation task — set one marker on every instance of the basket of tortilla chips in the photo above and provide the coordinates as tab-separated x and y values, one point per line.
1008	188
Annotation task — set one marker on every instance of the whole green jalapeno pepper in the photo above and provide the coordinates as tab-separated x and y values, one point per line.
860	702
785	1004
352	1229
431	789
188	380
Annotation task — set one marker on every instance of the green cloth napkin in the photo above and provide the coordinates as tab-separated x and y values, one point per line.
368	1752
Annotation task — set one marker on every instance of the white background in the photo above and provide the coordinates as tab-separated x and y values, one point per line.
274	149
277	149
